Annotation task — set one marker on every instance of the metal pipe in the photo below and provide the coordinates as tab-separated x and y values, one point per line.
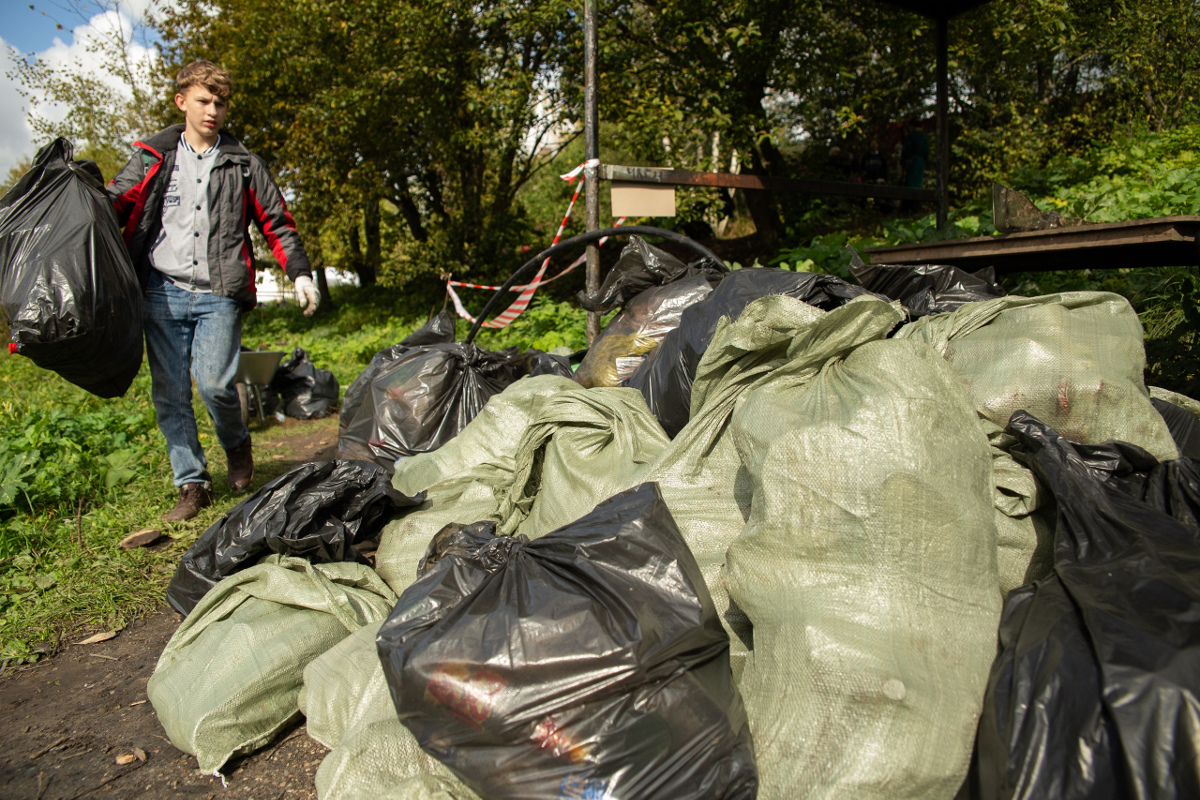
943	123
575	241
591	146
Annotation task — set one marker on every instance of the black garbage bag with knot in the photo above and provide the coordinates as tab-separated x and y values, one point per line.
417	398
68	290
587	663
1096	690
438	330
305	391
318	511
642	266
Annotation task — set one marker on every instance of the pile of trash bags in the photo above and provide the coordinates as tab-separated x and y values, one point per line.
876	554
419	394
69	294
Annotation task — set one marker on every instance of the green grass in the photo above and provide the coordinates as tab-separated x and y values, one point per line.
78	473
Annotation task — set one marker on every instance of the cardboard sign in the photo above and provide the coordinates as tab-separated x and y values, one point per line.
642	200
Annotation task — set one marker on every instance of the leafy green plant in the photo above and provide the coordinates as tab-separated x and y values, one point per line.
545	325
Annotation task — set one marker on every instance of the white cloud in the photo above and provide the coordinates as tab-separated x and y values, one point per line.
16	137
85	51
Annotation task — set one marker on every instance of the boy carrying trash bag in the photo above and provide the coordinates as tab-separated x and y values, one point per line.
185	200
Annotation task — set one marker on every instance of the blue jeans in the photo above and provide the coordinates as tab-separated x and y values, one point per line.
204	332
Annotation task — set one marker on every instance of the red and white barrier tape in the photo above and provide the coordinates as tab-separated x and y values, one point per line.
506	317
569	177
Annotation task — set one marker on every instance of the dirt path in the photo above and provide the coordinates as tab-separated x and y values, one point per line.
65	720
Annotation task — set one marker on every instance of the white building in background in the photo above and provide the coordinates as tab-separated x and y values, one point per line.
267	284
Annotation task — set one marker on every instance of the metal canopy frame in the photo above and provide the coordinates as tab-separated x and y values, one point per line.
1157	242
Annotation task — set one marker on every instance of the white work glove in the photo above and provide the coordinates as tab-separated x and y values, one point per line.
307	295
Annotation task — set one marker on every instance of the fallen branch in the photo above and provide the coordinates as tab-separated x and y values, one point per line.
39	753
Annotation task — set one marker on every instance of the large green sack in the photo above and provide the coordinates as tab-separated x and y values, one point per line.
464	479
490	438
1175	399
345	688
349	709
1024	513
1073	360
382	761
867	567
228	680
699	473
581	448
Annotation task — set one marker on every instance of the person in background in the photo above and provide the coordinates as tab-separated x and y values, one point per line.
185	201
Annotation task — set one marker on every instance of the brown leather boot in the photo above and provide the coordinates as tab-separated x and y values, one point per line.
192	498
241	465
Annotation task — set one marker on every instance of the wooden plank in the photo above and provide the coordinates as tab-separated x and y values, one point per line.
1162	241
728	180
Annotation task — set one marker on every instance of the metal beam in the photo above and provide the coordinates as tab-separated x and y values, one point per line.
680	177
1158	242
591	146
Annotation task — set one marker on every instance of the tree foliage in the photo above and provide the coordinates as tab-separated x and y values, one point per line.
405	129
104	98
409	134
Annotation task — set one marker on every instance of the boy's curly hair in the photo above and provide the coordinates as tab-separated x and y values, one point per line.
206	74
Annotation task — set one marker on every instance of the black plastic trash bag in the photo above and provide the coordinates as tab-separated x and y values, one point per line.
317	512
641	266
1183	425
665	377
422	397
68	291
305	391
438	330
1096	690
926	289
639	328
587	663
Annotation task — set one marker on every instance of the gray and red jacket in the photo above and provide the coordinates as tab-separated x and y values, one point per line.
240	191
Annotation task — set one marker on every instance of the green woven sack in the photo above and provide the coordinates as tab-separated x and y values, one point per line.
581	448
1074	360
464	478
1024	513
345	688
867	566
382	761
1175	399
348	708
699	473
228	680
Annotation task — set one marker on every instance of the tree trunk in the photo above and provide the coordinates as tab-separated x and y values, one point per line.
372	260
761	206
323	285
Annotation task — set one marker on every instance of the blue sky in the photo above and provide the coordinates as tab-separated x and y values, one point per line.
27	29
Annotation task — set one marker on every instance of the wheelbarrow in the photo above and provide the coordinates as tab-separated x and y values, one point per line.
255	370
